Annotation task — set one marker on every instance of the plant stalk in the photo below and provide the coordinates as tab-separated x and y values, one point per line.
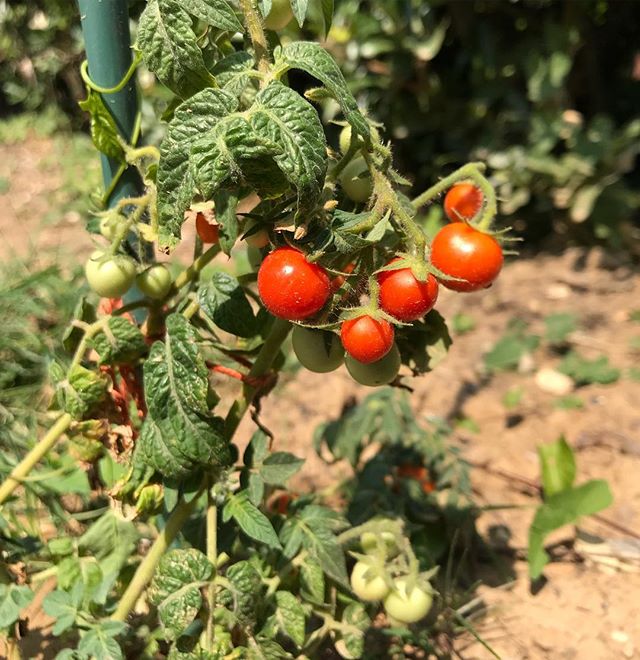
212	556
34	456
261	366
145	571
253	21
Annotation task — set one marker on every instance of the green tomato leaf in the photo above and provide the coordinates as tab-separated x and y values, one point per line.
233	72
63	606
425	343
170	48
179	434
120	342
226	206
281	116
218	13
224	301
312	584
13	599
563	508
356	616
99	642
176	589
316	61
558	466
243	594
280	466
81	392
84	312
290	616
327	14
313	529
104	132
191	120
255	488
299	8
250	519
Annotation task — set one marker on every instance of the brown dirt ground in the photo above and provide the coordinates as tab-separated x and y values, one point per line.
587	609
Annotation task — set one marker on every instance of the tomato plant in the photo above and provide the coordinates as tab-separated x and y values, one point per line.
184	546
472	257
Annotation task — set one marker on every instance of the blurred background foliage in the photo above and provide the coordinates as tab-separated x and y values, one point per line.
547	92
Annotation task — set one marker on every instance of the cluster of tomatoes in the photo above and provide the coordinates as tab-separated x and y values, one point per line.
404	600
463	259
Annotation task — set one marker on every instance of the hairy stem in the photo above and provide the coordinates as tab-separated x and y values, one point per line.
34	456
145	571
258	38
192	272
212	556
266	356
471	171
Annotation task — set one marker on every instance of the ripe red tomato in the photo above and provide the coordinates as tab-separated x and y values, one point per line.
405	297
418	473
462	201
207	232
367	339
461	251
290	287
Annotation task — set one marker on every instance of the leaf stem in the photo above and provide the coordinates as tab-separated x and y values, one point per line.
145	570
471	171
264	360
190	273
258	38
34	456
212	556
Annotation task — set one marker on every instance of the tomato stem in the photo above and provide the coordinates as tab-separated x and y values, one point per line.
145	570
212	556
258	38
471	171
34	456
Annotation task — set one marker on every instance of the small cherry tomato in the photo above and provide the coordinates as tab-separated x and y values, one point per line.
377	373
367	339
463	201
317	350
411	471
291	287
369	542
208	232
155	282
109	226
461	251
405	297
345	138
279	15
109	277
368	588
356	180
407	607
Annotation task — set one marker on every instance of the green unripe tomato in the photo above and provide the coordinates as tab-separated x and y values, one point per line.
155	282
377	373
367	588
407	607
108	227
317	350
369	543
279	15
345	138
109	277
356	180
